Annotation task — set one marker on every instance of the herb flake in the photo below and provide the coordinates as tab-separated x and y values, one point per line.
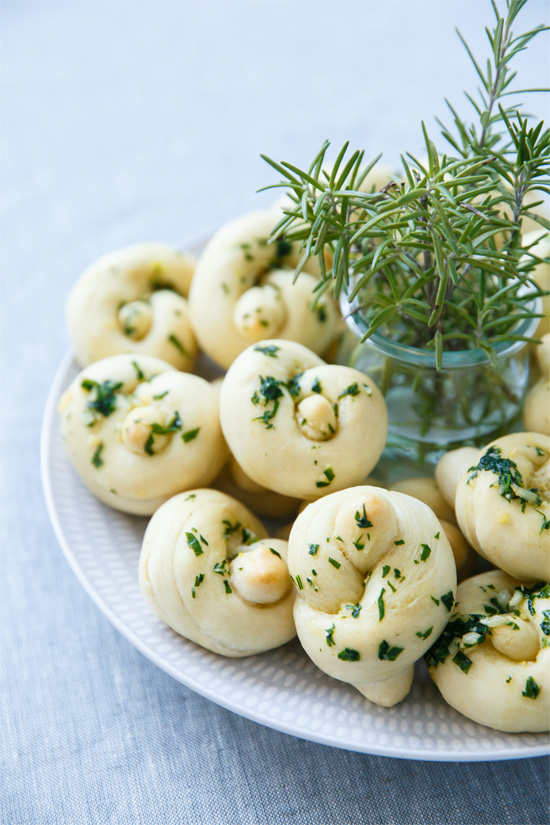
270	350
532	690
177	343
362	520
352	390
381	608
104	396
348	654
97	461
194	544
463	662
387	653
448	600
329	475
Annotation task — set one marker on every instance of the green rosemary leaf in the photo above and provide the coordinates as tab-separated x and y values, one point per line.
281	169
364	172
472	58
315	182
540	219
337	163
319	159
432	151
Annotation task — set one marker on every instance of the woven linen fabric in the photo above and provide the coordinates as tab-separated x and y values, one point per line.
127	121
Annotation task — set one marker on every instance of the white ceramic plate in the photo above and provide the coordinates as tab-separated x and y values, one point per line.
282	688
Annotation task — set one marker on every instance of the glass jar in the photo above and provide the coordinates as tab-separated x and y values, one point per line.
468	402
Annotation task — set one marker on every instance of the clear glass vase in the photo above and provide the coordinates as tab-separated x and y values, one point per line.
468	402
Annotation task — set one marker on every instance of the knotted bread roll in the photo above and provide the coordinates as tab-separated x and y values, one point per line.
235	482
138	431
542	353
503	505
297	425
243	292
464	555
539	241
133	300
492	661
450	468
536	410
209	571
376	578
427	490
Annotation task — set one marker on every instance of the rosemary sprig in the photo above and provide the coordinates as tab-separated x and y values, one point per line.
434	258
495	83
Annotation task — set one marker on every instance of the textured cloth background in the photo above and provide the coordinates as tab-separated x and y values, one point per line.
128	121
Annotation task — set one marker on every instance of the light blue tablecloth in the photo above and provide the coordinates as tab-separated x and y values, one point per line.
124	121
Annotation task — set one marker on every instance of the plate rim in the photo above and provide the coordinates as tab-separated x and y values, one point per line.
418	754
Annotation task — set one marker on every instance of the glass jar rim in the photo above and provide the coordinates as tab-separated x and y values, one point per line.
458	359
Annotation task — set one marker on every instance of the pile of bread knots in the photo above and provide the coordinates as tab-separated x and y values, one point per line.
365	576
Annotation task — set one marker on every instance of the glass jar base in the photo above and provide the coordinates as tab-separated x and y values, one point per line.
406	457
